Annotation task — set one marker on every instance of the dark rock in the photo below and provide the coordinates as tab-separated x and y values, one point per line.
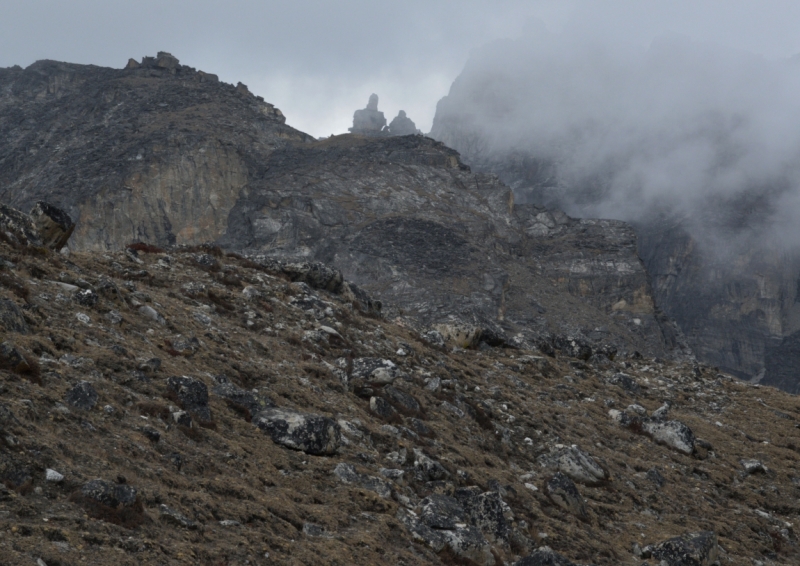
442	512
313	434
626	382
11	317
655	476
13	358
403	402
18	228
182	418
563	493
382	408
573	347
544	557
110	494
151	434
421	428
428	469
86	297
151	366
489	513
82	396
466	542
53	225
192	394
690	549
239	398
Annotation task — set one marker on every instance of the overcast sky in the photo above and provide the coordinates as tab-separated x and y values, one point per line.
318	61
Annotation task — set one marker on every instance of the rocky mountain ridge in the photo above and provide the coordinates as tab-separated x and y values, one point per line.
164	154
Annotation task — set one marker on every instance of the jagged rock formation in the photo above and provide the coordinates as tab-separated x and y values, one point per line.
402	125
716	270
185	405
157	151
369	120
163	154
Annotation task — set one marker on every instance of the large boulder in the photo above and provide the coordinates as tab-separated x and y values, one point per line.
690	549
111	502
369	120
53	225
17	228
192	394
313	434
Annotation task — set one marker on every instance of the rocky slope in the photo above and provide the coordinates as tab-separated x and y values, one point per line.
164	154
193	407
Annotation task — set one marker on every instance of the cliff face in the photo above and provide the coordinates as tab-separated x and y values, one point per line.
160	153
716	268
152	153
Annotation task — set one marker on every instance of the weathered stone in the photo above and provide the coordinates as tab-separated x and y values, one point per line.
53	476
18	228
426	468
690	549
563	493
239	398
110	494
576	464
655	476
13	358
374	370
82	396
465	541
86	297
192	394
674	434
753	466
173	517
488	512
313	434
53	225
11	318
442	512
382	408
347	474
403	402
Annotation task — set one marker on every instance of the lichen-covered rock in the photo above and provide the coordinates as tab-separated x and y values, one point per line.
562	491
11	318
576	464
402	401
111	502
382	408
674	434
192	394
173	517
489	513
690	549
463	540
426	468
374	370
442	512
18	228
53	225
82	396
313	434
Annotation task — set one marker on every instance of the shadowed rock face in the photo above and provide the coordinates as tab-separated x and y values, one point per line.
161	153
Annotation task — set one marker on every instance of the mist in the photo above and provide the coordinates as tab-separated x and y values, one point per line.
707	133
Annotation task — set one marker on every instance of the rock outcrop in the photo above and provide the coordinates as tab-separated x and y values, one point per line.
369	121
402	125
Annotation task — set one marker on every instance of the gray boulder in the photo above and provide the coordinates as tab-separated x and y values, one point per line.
53	225
347	474
241	399
402	125
17	228
369	120
576	464
690	549
82	396
313	434
562	491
